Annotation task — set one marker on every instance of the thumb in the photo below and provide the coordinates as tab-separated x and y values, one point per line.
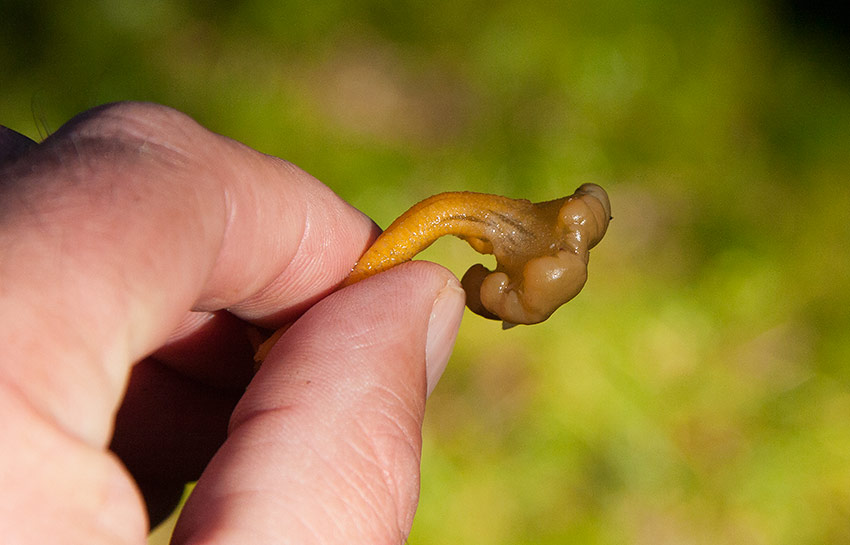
325	445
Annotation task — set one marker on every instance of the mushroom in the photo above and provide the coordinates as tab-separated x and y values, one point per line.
541	249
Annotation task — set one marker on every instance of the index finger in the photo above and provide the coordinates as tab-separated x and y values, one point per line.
126	218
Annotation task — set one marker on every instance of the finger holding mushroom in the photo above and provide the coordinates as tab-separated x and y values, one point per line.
541	249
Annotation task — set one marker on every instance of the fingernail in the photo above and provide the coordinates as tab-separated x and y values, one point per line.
445	320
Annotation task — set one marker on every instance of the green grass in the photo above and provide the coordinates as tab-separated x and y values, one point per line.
698	390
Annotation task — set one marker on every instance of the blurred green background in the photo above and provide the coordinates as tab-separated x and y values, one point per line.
698	390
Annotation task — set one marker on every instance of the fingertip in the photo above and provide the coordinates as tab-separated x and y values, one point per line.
443	325
395	288
331	425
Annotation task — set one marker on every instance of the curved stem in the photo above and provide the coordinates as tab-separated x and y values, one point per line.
471	216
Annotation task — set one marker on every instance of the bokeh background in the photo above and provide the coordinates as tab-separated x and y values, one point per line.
698	390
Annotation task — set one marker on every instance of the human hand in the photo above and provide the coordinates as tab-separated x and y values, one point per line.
135	246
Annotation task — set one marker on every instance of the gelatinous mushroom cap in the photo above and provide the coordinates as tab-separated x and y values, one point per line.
541	256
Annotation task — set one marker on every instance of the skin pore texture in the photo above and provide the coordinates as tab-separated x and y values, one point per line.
541	249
